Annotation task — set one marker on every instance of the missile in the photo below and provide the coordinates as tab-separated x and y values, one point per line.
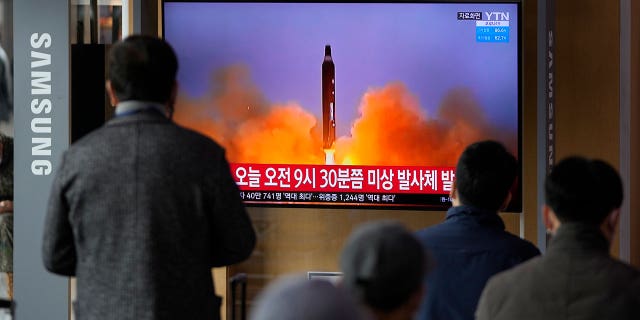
328	100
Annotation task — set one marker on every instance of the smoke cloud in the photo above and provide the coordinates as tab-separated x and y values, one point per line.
391	128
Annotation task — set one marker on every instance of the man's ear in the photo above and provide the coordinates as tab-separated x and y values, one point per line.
172	100
174	91
113	99
549	217
610	224
613	218
506	202
453	194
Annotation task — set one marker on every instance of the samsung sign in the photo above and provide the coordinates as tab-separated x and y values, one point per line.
41	105
41	134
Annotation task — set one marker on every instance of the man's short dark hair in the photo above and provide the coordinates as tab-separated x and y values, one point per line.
383	264
485	173
583	190
142	68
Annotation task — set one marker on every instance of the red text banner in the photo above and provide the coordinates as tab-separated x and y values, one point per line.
347	178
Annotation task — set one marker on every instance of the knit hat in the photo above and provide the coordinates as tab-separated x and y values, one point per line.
383	264
296	297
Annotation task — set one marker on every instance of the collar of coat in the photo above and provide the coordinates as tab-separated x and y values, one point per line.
129	107
481	216
579	237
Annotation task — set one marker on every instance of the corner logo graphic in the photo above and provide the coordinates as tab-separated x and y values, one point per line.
494	27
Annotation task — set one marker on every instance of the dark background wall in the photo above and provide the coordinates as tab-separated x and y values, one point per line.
588	91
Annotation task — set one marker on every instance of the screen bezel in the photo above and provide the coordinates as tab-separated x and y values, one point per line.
516	203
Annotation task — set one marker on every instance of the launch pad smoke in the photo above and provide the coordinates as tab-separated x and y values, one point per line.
391	129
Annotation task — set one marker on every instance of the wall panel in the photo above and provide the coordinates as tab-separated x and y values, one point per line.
587	80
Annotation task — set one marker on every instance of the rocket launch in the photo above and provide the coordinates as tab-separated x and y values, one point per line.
328	100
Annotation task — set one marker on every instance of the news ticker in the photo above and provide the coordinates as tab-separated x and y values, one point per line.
345	199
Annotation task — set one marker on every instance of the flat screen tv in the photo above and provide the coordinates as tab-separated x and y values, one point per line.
357	105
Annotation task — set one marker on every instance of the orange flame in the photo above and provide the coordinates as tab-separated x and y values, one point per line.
392	128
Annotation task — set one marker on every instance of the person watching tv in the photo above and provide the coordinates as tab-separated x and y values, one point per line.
576	278
383	265
471	245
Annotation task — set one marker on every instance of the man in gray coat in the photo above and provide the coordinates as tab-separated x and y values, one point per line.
141	209
576	278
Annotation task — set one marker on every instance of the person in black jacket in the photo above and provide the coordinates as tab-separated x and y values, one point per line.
472	245
576	278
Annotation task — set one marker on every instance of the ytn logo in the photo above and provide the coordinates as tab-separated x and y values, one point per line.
497	16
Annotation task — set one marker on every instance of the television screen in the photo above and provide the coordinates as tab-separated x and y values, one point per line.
348	104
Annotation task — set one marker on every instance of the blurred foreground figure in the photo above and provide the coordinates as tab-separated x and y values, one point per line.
6	214
141	209
576	278
383	265
295	298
